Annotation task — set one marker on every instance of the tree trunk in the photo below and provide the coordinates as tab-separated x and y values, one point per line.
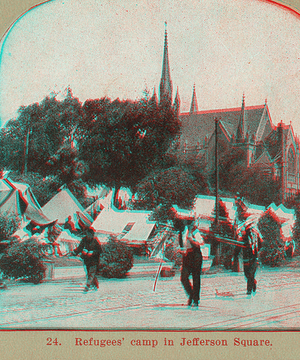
115	197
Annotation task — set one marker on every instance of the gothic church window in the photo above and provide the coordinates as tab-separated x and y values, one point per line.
291	162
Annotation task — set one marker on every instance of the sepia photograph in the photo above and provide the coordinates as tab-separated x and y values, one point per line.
149	179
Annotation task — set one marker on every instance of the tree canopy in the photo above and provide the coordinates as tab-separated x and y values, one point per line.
122	141
40	132
167	187
114	143
255	183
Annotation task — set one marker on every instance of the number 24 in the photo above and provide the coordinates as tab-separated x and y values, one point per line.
52	342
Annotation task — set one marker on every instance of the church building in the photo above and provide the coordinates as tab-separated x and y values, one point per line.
250	128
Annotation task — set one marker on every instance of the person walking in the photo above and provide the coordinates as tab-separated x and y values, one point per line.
192	264
90	250
246	230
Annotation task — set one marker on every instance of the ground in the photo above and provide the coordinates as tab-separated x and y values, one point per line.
131	303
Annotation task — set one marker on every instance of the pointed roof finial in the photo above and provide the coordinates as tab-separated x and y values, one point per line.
266	101
240	134
194	105
153	99
176	104
165	82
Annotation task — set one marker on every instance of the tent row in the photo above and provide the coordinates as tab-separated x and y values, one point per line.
133	227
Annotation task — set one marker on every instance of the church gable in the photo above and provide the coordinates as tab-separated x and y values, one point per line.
264	159
265	125
273	143
253	118
197	127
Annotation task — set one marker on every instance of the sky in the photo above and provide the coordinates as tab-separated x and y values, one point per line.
227	48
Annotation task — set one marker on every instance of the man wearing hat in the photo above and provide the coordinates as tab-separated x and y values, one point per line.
90	250
246	230
192	263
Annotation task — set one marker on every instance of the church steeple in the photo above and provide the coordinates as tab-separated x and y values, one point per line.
240	134
194	105
165	82
153	100
176	104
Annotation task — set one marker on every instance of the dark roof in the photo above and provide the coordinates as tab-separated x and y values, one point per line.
273	142
202	123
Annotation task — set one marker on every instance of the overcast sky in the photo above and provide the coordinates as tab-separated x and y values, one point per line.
115	48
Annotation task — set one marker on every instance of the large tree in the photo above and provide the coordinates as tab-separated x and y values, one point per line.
255	183
122	141
39	132
162	189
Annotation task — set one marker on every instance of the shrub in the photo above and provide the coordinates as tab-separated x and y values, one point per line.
173	254
296	229
272	251
7	227
225	229
23	261
116	259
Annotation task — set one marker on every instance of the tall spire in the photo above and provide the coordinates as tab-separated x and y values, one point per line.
176	104
240	134
153	99
165	82
194	105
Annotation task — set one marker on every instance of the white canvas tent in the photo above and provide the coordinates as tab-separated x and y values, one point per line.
287	219
20	201
62	205
114	222
205	205
25	191
139	232
4	189
284	214
13	206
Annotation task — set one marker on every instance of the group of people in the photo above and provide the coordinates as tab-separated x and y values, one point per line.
246	231
190	241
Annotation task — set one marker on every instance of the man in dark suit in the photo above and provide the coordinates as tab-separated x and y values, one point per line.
192	264
90	250
246	229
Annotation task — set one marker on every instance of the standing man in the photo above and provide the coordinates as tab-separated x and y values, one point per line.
69	225
246	229
192	264
90	250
